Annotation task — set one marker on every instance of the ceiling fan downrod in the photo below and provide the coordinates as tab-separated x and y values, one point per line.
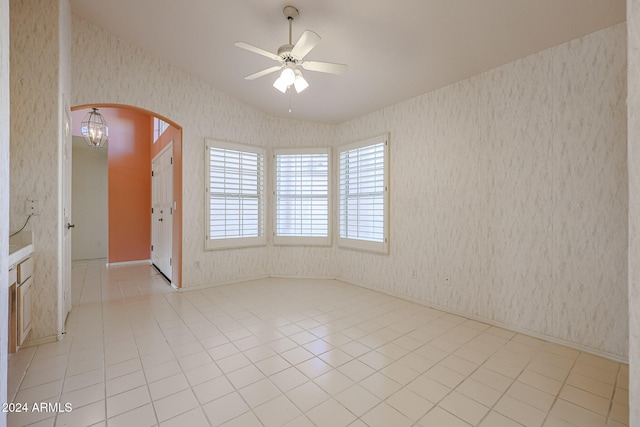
291	13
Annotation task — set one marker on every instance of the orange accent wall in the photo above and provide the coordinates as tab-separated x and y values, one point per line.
175	135
129	160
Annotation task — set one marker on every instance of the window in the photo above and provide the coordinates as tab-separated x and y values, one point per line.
234	196
364	195
302	197
159	126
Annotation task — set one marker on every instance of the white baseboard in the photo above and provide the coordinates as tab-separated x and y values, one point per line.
287	276
607	355
204	286
38	341
128	263
555	340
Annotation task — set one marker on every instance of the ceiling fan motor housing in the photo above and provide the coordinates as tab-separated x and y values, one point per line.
284	52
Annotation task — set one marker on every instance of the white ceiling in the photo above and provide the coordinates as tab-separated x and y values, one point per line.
395	49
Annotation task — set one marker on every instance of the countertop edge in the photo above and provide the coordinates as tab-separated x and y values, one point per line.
19	255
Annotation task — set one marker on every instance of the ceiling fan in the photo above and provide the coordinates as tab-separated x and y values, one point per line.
290	56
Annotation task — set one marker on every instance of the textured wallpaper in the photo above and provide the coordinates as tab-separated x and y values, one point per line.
508	190
4	192
590	191
519	132
633	114
509	195
36	96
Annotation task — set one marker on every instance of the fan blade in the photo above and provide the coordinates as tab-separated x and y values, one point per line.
324	67
259	51
264	72
307	41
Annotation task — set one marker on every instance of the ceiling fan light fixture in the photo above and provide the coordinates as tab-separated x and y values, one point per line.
300	83
288	76
286	79
280	84
290	56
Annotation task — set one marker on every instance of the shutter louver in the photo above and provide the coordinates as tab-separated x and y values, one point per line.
236	189
302	195
363	195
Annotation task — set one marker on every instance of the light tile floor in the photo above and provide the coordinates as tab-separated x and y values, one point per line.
298	353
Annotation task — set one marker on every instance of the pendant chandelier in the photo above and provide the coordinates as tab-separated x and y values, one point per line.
94	129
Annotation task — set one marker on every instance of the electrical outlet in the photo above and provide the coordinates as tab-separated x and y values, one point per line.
32	207
197	265
414	273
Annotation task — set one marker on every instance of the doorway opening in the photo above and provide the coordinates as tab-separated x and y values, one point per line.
113	207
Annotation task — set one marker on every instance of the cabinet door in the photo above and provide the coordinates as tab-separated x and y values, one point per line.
13	276
12	332
25	270
24	310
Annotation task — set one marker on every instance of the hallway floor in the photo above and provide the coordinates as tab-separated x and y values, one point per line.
300	353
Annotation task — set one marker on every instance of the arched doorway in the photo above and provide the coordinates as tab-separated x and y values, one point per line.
133	143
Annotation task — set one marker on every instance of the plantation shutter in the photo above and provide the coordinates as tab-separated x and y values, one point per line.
236	194
302	195
363	195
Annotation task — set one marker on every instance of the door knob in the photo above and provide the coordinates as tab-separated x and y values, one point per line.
69	225
160	219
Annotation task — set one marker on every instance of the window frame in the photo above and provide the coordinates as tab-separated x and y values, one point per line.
303	240
356	243
159	127
235	242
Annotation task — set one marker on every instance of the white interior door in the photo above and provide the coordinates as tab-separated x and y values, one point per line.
162	211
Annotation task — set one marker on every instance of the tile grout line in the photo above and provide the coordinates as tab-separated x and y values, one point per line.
611	402
104	343
201	405
557	396
353	320
491	408
64	378
146	383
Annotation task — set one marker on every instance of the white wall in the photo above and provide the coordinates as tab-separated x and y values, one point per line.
90	202
633	114
512	184
4	197
39	87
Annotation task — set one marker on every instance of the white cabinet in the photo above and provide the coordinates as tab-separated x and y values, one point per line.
13	276
25	270
21	288
25	286
12	333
